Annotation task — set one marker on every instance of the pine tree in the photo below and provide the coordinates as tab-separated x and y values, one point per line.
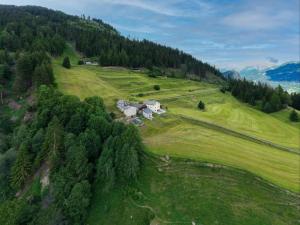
53	143
294	116
21	168
267	107
156	87
105	166
24	70
275	102
75	206
201	105
77	163
1	93
127	163
92	143
43	74
38	140
66	63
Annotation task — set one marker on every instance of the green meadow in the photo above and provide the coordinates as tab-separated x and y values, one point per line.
182	192
181	133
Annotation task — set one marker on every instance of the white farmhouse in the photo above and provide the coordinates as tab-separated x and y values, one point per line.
147	113
121	105
153	105
130	111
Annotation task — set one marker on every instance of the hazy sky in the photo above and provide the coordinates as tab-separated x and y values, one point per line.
227	33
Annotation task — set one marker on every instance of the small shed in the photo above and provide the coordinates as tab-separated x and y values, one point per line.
121	104
147	113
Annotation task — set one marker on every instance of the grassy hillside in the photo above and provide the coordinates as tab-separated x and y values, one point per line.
207	196
181	132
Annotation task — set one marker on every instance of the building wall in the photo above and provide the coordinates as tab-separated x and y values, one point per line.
154	107
130	111
148	116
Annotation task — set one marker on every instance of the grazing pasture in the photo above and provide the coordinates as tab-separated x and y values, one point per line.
181	192
180	133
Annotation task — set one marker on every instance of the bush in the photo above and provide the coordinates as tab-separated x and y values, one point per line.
112	115
140	95
201	105
66	63
156	87
152	75
80	62
294	116
268	108
223	89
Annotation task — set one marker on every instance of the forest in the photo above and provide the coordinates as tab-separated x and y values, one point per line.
36	28
71	144
75	144
265	97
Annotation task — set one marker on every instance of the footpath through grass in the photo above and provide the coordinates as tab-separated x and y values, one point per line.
172	135
182	192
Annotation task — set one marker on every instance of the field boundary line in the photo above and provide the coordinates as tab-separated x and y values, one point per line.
236	133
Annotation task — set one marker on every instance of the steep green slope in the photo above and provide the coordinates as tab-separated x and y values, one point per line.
182	137
182	192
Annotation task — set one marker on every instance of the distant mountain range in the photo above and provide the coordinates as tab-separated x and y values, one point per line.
232	74
285	72
287	75
289	72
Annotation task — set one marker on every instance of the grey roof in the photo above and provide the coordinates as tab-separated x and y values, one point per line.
147	111
129	107
151	102
136	105
121	102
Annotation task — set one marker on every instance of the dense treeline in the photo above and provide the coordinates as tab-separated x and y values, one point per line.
295	97
72	143
49	162
25	43
268	99
33	69
36	28
23	71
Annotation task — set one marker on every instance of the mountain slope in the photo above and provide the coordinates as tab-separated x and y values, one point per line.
93	38
59	153
181	192
185	138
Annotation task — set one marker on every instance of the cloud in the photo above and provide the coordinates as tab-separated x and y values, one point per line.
153	6
258	19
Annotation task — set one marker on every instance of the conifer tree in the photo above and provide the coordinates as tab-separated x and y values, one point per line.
76	204
201	105
21	168
54	142
294	116
66	63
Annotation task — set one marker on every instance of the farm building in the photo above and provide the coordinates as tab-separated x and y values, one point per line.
147	113
130	111
91	63
153	105
121	104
